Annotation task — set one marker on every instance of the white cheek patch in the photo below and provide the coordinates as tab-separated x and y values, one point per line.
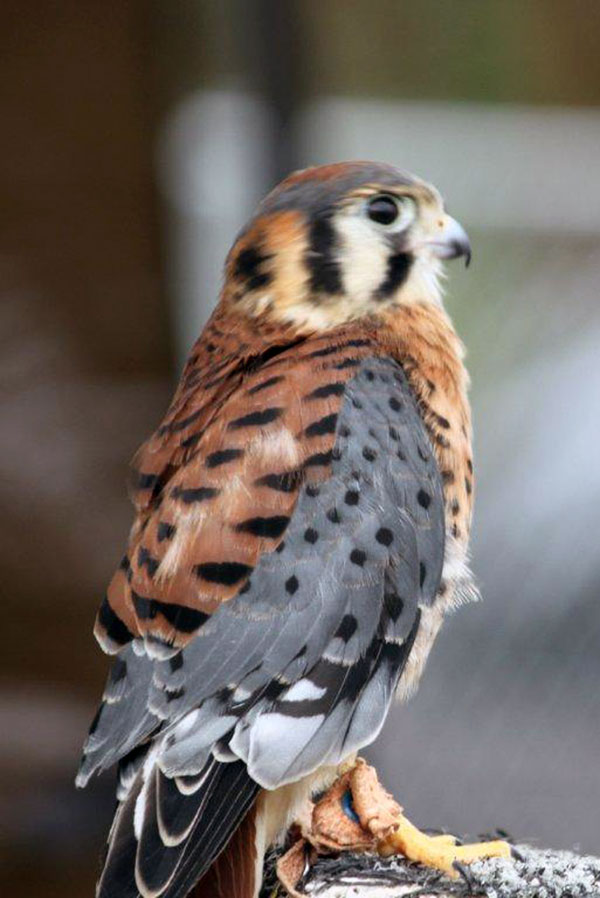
363	258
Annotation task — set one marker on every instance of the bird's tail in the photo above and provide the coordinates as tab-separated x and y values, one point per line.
235	873
168	832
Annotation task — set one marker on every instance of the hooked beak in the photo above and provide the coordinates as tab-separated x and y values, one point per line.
451	241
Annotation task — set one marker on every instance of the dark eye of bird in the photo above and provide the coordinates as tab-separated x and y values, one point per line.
383	209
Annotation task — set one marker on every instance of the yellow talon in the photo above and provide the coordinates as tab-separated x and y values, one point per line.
440	852
443	839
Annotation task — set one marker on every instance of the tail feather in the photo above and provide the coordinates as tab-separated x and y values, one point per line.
234	873
165	838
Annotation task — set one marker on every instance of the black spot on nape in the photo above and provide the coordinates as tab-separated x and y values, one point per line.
384	536
321	427
268	527
226	573
325	274
176	662
447	477
333	515
395	404
165	531
292	584
393	434
286	482
249	268
443	422
394	605
265	384
333	389
369	454
369	375
347	627
312	490
222	456
344	431
442	441
422	573
280	547
423	498
256	419
455	507
468	486
112	624
311	535
470	465
194	494
397	272
351	497
357	556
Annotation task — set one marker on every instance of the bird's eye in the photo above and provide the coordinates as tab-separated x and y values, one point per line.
388	210
383	209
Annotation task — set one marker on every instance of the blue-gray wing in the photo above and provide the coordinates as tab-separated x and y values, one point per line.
299	669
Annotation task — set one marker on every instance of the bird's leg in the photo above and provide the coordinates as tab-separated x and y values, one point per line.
381	816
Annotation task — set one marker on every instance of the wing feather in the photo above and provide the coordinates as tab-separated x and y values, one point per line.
298	667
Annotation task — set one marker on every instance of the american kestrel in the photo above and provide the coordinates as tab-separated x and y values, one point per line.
302	521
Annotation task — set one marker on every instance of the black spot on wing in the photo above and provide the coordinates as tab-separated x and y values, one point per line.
327	390
112	624
321	427
270	382
347	628
319	458
182	617
257	418
222	457
285	482
270	527
146	559
226	573
165	531
336	347
194	494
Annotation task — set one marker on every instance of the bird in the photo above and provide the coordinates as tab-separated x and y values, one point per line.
302	519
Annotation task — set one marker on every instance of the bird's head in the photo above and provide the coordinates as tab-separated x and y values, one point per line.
340	242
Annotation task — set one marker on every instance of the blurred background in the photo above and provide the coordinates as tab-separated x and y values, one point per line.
136	138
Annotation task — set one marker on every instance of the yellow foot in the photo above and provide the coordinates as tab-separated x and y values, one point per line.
380	815
440	852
